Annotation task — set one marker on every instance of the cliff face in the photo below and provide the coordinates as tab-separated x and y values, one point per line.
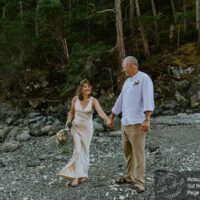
177	87
175	75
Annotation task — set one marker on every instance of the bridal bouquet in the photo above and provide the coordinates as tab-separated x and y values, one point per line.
61	139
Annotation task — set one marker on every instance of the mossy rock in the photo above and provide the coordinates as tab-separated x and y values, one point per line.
187	56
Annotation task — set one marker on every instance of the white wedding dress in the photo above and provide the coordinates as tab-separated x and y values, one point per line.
82	132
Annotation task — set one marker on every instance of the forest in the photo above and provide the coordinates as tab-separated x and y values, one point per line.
48	46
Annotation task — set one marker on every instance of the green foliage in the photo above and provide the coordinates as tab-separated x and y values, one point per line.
49	8
33	35
81	63
149	19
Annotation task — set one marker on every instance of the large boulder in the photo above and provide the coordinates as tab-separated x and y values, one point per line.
10	146
3	133
25	136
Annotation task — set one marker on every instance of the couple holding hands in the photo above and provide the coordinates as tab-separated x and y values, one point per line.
136	103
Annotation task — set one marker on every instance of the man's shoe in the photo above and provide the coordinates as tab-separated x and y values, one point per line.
122	180
136	189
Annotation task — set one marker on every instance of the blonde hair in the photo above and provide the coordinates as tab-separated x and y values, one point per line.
80	88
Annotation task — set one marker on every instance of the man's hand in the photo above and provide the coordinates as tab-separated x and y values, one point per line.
145	125
111	123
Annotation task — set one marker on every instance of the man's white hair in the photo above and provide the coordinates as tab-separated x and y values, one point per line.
130	59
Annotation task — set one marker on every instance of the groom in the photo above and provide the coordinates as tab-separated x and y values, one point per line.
136	103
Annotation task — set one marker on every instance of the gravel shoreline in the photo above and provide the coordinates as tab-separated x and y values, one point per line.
29	173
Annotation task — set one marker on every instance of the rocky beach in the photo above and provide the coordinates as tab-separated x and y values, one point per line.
30	158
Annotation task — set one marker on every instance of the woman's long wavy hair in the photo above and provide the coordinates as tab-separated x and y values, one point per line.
80	88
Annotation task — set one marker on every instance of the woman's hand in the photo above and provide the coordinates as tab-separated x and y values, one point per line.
68	126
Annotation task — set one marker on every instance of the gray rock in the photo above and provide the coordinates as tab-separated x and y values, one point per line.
169	104
114	133
44	120
20	122
36	126
33	115
181	118
13	133
2	163
50	133
189	70
36	132
36	119
50	118
3	133
10	147
117	123
182	101
9	121
57	122
174	72
181	85
49	123
23	137
47	129
195	99
98	127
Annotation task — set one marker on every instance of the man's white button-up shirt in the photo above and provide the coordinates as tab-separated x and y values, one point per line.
135	98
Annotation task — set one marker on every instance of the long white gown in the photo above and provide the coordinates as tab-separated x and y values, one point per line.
82	132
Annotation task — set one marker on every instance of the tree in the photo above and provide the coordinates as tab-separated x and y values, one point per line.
185	13
51	23
131	15
198	22
144	38
119	30
155	22
174	11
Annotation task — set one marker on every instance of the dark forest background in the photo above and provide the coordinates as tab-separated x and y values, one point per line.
48	46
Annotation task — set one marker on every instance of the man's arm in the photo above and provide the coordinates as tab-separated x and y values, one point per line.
148	100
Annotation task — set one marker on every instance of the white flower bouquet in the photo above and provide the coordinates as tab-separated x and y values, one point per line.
62	138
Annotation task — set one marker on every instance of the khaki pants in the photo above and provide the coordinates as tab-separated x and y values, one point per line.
133	144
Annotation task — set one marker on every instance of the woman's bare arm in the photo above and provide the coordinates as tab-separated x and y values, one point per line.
99	110
72	111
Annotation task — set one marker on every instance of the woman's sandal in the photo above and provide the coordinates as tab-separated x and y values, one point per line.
82	180
122	180
71	184
136	189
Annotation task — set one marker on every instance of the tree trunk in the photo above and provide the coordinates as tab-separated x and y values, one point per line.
131	15
3	12
21	49
185	18
174	11
171	34
70	9
119	30
198	22
63	41
155	23
144	39
36	24
88	25
178	37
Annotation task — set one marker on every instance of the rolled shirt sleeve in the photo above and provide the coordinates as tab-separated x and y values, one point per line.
148	94
117	109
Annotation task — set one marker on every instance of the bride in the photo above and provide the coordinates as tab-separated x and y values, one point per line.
82	131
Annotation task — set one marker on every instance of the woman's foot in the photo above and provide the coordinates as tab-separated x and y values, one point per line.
74	182
82	180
